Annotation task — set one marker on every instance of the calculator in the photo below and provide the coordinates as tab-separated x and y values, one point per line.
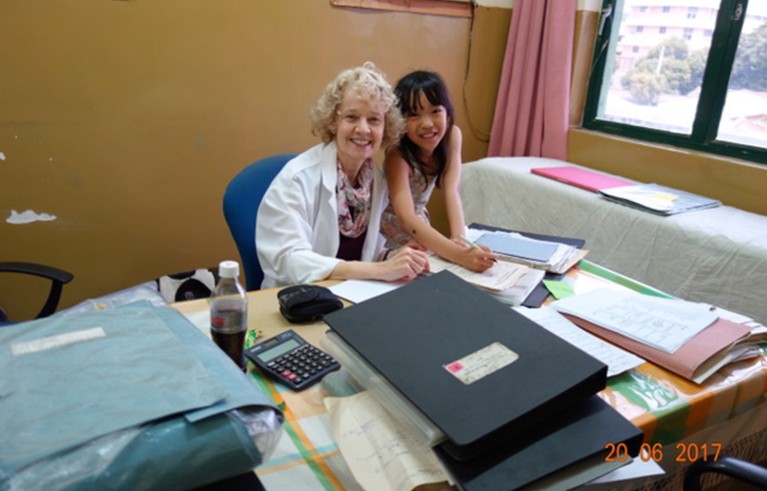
290	360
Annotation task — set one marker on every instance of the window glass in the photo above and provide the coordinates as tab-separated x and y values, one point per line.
656	74
689	73
744	118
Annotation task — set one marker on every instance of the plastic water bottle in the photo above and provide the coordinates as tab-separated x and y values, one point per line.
229	312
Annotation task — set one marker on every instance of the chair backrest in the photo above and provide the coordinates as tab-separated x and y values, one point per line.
742	472
241	199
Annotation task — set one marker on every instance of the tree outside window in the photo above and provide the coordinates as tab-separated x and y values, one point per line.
697	82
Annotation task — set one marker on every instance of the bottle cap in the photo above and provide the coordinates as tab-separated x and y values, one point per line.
229	269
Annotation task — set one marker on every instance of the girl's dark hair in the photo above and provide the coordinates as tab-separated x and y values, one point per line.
408	92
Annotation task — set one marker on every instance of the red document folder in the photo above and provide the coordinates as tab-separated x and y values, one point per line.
583	178
694	360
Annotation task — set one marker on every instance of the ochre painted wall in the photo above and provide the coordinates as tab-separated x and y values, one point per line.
126	119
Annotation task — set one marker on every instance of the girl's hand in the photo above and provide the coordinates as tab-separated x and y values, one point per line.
405	264
477	259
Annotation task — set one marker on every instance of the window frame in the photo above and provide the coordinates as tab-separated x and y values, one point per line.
716	78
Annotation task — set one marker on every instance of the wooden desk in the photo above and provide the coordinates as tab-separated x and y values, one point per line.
730	409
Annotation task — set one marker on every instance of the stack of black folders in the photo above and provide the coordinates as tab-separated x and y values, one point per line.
515	404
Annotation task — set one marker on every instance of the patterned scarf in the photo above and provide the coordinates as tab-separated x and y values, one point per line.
354	203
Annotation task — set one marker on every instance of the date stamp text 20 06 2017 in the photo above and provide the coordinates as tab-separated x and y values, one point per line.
655	452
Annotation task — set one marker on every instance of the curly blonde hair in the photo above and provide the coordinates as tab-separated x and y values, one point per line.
368	82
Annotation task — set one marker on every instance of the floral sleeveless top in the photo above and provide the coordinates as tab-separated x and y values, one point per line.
421	188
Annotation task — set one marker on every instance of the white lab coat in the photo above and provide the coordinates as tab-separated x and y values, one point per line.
297	221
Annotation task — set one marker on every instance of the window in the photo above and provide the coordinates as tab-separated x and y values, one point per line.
698	83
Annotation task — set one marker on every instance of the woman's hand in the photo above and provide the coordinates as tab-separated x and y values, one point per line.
405	264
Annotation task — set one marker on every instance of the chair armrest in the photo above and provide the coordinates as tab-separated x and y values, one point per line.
741	470
57	276
49	272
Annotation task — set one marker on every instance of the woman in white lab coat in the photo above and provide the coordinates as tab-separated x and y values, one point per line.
320	218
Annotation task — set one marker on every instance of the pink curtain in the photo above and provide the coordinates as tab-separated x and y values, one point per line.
531	112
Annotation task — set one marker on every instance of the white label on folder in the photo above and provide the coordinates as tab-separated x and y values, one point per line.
57	341
481	363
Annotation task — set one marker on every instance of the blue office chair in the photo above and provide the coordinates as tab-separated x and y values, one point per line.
57	277
241	199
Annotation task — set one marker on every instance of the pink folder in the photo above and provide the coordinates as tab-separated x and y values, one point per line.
704	350
582	178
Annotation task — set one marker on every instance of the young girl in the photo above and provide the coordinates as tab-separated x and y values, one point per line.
428	155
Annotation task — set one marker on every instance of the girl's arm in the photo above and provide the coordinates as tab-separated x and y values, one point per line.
451	182
397	178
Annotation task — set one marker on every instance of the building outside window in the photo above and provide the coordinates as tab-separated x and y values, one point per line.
699	81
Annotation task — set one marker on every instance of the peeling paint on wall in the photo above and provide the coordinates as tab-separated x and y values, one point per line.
28	216
507	4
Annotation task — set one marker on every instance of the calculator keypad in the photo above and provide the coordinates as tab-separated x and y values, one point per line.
301	367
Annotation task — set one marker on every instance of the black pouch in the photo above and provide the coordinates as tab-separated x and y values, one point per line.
305	303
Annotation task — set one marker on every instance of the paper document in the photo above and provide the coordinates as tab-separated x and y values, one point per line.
663	323
658	199
500	276
200	319
359	290
701	356
637	469
519	292
381	454
559	288
617	360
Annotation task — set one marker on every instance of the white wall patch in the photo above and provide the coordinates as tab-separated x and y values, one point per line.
28	216
507	4
2	156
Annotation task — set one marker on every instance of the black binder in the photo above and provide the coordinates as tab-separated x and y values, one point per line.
582	439
431	337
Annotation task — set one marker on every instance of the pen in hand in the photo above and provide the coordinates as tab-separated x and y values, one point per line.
473	245
468	242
